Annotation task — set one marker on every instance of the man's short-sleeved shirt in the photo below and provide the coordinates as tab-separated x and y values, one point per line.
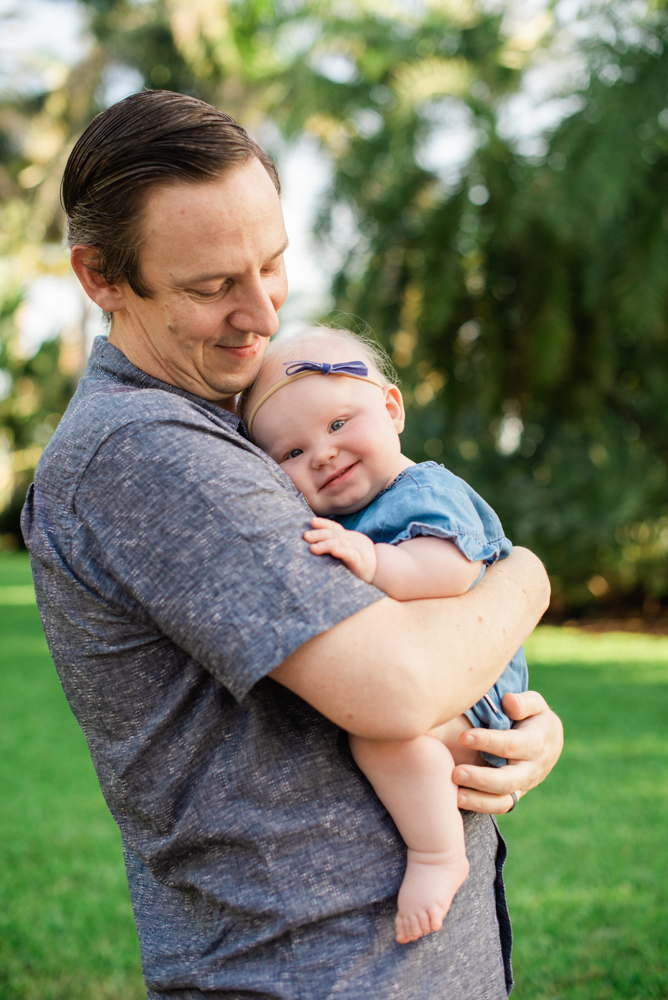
171	576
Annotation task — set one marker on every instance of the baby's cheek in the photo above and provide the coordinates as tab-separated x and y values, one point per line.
303	486
316	505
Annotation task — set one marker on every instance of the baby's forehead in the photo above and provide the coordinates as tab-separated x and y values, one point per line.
301	408
325	391
327	350
319	350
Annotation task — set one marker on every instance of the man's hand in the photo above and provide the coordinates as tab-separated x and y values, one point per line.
353	548
532	748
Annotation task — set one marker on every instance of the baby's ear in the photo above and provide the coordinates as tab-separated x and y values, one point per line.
394	404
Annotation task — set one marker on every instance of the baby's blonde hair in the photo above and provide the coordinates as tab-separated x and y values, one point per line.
312	344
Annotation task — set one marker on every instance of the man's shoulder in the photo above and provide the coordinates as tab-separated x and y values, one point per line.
101	409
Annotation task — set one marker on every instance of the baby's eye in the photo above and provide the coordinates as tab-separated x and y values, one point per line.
295	453
337	425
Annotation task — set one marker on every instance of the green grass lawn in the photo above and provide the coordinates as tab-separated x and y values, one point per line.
588	866
66	927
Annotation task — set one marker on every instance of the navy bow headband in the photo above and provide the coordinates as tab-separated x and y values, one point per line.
341	368
300	369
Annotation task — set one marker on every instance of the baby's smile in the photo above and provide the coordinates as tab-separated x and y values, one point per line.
340	477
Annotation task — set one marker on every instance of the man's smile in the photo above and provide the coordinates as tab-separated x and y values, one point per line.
246	351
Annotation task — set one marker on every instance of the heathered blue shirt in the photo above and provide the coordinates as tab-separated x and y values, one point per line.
171	576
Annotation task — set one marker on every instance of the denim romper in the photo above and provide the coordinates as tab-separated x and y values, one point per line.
427	499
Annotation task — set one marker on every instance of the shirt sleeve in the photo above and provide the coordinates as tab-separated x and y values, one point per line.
433	501
205	537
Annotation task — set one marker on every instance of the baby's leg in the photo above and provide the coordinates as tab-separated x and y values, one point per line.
413	780
449	734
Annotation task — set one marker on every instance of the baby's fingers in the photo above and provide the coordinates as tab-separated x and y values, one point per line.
334	546
324	522
337	548
320	534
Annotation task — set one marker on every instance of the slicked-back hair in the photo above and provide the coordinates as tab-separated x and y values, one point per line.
145	141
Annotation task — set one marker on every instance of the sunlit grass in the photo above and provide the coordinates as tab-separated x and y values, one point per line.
66	927
588	866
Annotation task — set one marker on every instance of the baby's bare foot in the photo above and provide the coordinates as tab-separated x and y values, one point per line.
427	891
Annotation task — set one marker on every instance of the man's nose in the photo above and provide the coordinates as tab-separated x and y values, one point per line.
255	312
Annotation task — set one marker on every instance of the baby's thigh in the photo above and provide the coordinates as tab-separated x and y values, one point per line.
449	734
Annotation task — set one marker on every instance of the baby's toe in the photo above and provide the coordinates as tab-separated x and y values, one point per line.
402	930
436	915
415	928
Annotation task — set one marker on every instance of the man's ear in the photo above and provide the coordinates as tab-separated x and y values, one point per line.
111	298
394	404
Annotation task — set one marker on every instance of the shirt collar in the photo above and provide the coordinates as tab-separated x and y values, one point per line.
106	361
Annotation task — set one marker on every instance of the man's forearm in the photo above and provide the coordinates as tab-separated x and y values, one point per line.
395	670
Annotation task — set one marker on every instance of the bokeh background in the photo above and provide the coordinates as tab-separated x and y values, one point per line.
484	185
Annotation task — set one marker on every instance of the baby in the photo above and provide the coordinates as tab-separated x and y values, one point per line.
332	422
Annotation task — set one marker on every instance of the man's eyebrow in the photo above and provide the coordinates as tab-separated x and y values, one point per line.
218	276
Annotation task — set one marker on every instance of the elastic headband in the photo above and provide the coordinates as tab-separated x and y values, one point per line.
300	369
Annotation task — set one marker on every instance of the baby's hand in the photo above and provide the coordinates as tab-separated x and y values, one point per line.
353	548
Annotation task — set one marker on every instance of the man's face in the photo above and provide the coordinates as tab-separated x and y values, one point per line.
213	257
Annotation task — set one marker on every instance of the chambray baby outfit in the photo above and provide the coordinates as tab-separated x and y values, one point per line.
427	499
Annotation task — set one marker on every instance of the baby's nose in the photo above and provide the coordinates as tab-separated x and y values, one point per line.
324	452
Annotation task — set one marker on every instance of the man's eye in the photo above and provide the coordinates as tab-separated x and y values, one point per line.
212	295
337	425
295	453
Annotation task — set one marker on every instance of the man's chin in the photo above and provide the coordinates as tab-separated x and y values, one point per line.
229	383
231	374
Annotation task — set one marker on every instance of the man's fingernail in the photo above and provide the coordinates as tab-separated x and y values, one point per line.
468	739
463	799
464	776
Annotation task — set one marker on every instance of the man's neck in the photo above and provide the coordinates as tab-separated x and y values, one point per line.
141	353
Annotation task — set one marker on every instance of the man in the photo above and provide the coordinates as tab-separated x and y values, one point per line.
213	662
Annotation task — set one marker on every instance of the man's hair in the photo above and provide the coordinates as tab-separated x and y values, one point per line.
145	141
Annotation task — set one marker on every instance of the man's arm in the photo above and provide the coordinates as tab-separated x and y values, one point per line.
396	669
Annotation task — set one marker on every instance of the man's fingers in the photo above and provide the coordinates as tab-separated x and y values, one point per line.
532	748
502	742
495	780
484	803
522	705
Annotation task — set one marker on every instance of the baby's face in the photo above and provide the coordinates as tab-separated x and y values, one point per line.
336	437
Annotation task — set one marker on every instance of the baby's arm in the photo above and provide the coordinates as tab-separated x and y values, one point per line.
421	567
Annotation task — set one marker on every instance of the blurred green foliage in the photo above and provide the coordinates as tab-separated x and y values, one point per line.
523	298
41	387
526	305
